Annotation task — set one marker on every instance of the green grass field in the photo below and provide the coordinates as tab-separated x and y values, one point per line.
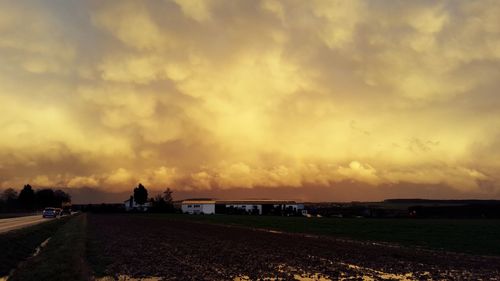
468	236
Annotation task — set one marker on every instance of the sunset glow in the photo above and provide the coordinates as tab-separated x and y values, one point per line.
319	96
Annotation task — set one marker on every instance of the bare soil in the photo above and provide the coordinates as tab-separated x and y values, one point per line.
141	246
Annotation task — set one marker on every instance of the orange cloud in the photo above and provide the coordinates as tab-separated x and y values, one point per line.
217	95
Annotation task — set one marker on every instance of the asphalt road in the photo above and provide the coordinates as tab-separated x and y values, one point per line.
19	222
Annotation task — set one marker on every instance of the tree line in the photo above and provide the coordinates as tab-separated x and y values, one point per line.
29	199
160	203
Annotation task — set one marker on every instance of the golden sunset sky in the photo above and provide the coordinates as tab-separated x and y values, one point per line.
369	98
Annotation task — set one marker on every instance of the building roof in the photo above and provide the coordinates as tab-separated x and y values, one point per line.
239	202
256	202
194	201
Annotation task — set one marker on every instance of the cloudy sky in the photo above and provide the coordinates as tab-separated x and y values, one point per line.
327	100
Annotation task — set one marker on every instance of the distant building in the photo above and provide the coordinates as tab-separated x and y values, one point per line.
198	206
256	207
131	205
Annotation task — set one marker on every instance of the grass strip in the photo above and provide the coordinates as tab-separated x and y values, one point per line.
472	236
62	258
17	245
97	260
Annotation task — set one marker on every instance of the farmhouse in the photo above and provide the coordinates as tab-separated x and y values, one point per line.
131	205
256	207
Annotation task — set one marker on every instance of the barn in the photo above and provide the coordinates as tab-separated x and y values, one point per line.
256	207
198	206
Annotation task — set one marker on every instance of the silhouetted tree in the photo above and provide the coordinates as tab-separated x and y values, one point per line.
140	194
9	198
157	203
167	196
45	198
27	198
49	198
163	203
61	197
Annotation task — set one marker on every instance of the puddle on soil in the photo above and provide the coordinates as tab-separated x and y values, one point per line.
364	273
311	277
269	230
380	274
39	248
301	275
127	278
246	278
298	277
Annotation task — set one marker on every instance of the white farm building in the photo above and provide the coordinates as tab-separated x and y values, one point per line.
198	206
131	205
257	207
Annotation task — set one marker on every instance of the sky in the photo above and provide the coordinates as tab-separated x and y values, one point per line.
318	100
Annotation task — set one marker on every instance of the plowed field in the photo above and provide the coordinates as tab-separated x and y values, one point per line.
172	249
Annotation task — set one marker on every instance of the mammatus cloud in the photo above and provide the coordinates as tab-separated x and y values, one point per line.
204	95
